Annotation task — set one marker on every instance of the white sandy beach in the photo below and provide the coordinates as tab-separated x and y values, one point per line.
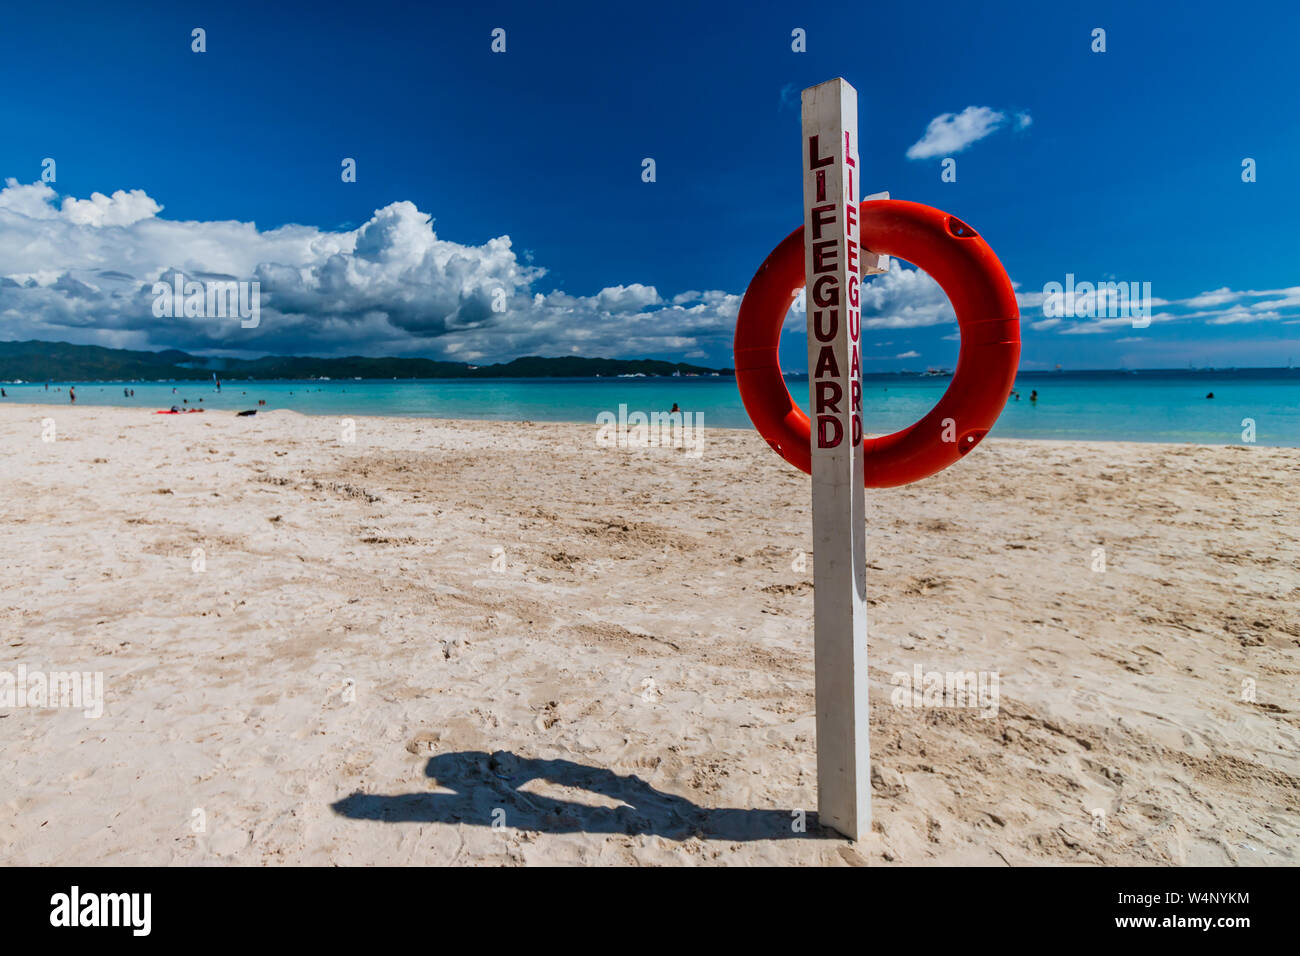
354	678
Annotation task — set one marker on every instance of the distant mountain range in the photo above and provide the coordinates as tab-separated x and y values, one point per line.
61	362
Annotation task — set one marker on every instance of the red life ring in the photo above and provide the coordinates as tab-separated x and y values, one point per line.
987	316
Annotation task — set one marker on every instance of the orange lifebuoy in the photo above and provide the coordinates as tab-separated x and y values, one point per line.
969	273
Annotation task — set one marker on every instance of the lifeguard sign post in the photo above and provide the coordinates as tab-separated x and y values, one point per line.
832	267
843	239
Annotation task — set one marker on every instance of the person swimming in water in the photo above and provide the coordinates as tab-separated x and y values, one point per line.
1033	396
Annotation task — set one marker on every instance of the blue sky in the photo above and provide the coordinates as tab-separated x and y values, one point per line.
1127	167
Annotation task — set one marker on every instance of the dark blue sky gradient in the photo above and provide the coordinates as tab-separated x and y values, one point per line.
1130	169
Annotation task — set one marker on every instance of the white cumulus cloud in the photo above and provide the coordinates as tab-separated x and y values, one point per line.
120	209
82	270
950	133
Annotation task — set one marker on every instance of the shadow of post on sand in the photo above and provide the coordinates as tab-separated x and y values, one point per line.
485	790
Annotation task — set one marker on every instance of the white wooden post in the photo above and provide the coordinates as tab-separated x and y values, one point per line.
832	266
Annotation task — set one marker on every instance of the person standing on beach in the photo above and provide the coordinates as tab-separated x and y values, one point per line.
72	394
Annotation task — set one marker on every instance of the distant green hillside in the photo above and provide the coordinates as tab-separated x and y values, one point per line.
61	362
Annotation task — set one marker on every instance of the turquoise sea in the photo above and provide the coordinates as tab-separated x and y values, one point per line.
1158	406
